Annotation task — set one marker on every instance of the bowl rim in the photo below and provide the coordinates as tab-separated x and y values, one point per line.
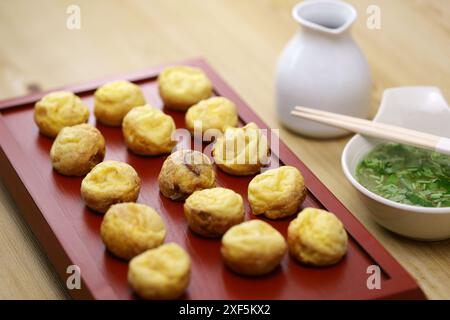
376	197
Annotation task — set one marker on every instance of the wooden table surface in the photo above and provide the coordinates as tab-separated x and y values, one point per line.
242	40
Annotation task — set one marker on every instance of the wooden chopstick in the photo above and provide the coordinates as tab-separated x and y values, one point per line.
382	126
376	129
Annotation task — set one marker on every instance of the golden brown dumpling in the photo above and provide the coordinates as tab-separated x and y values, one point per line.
57	110
277	193
184	172
77	149
181	87
317	237
241	151
253	248
214	113
148	131
113	100
129	229
160	273
108	183
211	212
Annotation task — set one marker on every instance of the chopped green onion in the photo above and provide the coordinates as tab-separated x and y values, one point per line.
407	175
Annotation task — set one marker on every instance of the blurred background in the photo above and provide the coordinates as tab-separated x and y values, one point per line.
241	39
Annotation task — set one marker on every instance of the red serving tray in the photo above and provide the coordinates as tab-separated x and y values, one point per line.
69	232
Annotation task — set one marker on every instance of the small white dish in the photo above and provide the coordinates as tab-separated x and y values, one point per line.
418	108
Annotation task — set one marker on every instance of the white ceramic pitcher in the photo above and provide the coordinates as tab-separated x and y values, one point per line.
322	67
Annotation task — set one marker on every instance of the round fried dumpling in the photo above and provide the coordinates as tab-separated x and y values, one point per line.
161	273
241	151
277	193
57	110
129	229
317	237
77	149
108	183
211	212
184	172
181	87
113	100
214	113
148	131
253	248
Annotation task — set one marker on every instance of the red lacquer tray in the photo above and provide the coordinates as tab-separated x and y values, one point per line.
69	232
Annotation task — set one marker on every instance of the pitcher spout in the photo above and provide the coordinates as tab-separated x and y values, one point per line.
328	16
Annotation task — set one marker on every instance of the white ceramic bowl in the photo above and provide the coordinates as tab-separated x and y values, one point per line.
419	108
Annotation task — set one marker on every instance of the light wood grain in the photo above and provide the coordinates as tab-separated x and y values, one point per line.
241	39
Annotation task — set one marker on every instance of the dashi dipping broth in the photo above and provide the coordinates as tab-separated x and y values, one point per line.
407	175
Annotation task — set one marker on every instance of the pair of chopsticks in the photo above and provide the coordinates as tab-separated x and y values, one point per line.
376	129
